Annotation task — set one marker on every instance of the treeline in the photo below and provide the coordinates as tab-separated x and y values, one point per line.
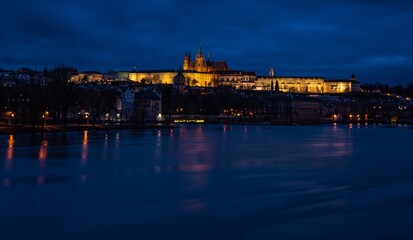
397	89
54	98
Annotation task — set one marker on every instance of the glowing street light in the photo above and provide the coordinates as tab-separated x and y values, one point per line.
87	117
11	116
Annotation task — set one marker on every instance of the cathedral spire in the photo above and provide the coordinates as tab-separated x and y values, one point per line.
200	52
271	73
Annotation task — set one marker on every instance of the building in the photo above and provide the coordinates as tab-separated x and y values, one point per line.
237	79
148	106
202	65
313	85
125	104
87	76
306	110
205	73
278	109
291	84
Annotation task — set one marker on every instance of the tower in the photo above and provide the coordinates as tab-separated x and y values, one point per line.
271	72
353	77
187	61
200	60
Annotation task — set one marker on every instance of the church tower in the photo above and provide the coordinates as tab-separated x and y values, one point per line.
199	61
353	78
271	73
187	61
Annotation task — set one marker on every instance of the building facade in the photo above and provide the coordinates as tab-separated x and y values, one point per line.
312	85
205	73
202	65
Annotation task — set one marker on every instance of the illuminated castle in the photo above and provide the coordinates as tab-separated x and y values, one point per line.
205	73
200	65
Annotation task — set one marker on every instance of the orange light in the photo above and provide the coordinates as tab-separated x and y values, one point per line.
84	147
43	153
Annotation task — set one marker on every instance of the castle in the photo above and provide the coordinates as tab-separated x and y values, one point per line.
200	65
205	73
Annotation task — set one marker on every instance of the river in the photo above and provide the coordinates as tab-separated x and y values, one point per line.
209	182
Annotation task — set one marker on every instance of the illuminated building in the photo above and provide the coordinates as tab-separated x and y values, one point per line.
307	84
88	76
206	73
238	79
200	65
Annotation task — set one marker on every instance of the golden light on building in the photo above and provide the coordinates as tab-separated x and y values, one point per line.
205	73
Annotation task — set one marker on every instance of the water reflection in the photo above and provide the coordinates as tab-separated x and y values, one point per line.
43	154
105	147
193	205
8	164
83	177
337	143
41	180
84	147
158	149
6	182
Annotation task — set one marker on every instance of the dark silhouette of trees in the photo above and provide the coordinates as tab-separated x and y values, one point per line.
60	91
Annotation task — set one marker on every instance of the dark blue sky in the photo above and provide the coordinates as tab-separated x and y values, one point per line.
373	39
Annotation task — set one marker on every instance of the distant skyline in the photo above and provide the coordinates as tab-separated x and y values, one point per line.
372	39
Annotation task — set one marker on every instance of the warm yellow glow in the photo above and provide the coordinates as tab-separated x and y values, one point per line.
189	121
43	153
84	147
9	153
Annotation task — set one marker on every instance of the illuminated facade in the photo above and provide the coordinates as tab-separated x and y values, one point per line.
153	77
238	79
291	84
205	73
88	76
202	65
200	79
307	84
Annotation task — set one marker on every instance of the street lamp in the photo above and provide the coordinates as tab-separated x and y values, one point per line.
87	117
11	116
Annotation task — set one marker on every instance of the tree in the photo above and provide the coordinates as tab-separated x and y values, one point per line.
61	92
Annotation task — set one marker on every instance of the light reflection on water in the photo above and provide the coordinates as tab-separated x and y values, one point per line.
84	147
210	182
43	154
8	163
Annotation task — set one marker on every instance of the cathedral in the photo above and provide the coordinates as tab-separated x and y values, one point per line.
202	65
204	73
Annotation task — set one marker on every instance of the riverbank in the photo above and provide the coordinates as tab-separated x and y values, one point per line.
11	129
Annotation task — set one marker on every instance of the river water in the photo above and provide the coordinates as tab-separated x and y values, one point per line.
209	182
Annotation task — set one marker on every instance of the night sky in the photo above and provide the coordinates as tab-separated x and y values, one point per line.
333	39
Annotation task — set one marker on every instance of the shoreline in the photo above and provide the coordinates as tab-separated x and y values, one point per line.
10	129
25	129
